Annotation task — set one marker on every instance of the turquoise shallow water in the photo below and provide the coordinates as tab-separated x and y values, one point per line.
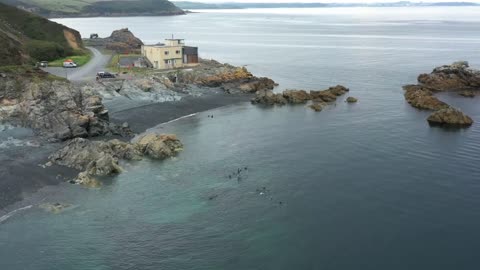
363	186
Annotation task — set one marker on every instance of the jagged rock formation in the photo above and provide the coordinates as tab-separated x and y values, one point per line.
456	76
53	108
231	79
319	98
121	41
101	158
451	77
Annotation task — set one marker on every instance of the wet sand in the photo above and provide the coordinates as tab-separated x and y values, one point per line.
147	116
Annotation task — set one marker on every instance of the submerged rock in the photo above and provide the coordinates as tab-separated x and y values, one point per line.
317	106
55	208
467	93
352	100
450	117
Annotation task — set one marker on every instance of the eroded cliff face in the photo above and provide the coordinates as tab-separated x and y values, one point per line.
53	108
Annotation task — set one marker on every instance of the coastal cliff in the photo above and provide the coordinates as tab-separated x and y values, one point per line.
97	8
52	107
26	37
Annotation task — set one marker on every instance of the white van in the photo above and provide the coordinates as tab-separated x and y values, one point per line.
69	65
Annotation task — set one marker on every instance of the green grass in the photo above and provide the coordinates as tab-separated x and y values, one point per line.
75	7
79	59
27	71
67	6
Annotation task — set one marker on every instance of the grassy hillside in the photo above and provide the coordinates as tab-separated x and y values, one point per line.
82	8
25	37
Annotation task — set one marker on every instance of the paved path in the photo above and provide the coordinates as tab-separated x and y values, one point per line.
84	73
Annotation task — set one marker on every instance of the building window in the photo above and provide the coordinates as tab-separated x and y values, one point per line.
178	51
166	52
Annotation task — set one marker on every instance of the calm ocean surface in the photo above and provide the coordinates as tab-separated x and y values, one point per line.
364	186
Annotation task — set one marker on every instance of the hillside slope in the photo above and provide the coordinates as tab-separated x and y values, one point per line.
91	8
25	37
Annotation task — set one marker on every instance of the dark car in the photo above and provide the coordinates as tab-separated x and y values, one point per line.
104	75
43	64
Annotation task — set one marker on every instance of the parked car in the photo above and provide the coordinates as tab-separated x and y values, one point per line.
69	65
104	75
43	64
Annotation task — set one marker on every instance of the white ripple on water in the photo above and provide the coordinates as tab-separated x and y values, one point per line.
9	215
12	142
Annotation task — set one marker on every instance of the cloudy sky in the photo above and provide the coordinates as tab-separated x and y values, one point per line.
321	1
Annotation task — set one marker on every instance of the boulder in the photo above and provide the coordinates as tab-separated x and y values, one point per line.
296	96
352	100
450	117
268	97
159	146
467	93
317	106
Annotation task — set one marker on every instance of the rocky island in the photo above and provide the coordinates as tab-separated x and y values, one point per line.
455	77
319	98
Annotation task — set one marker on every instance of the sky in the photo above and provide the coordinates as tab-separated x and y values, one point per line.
323	1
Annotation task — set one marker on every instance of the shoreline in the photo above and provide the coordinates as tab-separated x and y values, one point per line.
23	162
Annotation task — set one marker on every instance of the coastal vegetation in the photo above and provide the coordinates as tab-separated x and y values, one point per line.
26	38
86	8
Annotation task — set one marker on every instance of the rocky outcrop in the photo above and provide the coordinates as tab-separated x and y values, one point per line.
450	117
54	109
320	98
121	41
317	106
101	158
296	96
467	93
422	98
451	77
268	97
231	79
456	76
329	95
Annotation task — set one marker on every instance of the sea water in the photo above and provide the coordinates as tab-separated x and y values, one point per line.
362	186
